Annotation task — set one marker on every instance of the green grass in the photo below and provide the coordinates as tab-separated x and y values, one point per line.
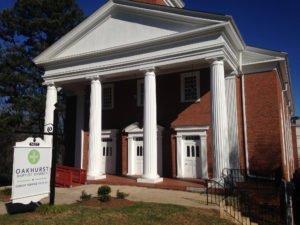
136	214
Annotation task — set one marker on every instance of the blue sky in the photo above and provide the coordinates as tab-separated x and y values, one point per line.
267	24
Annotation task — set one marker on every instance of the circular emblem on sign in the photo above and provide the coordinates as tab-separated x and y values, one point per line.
33	156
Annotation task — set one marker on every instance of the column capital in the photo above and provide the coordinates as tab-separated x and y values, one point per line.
52	85
49	83
215	60
149	70
94	78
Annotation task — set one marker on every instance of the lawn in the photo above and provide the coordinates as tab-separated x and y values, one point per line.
135	213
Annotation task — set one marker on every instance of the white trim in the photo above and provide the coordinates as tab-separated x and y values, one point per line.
175	3
139	93
111	134
191	128
181	133
134	131
182	85
80	101
154	10
111	86
245	123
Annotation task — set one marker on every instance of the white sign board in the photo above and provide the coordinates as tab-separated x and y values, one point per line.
31	171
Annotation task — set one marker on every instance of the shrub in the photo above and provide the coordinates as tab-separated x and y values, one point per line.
104	193
104	198
104	190
85	196
121	195
52	209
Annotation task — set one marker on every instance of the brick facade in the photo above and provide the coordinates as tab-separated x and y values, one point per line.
262	104
263	121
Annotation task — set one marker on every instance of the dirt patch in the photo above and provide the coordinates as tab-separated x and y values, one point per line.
4	198
113	203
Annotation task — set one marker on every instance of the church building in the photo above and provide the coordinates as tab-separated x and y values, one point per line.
155	90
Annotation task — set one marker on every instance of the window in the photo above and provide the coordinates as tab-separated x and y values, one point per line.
188	151
139	150
140	92
190	86
108	96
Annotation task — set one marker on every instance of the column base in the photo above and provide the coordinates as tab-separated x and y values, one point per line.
96	177
149	180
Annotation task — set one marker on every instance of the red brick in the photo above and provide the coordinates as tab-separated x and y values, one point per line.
263	121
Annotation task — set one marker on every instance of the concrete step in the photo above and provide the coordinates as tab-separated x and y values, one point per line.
196	189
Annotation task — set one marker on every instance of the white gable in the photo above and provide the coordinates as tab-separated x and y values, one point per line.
120	24
123	29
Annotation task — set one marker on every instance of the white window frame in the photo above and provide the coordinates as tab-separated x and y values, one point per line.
139	93
111	86
182	85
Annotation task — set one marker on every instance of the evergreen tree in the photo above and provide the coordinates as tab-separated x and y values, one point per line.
27	29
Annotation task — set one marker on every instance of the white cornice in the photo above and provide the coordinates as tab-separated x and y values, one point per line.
279	63
188	16
139	45
175	3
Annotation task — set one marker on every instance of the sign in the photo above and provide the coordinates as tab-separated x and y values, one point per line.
31	171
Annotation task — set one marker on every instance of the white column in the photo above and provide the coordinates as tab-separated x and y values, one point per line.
79	129
180	157
150	174
204	169
96	169
219	118
131	156
51	100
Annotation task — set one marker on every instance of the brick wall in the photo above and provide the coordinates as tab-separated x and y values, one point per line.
262	110
263	121
170	113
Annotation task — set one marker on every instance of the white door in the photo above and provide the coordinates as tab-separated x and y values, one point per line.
110	155
139	151
192	161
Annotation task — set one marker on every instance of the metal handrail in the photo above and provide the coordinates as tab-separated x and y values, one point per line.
238	198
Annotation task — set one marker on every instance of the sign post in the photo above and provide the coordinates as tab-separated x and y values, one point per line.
31	171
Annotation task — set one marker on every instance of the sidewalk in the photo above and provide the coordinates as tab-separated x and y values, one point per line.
189	199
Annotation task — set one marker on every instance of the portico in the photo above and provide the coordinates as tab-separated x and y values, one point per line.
172	41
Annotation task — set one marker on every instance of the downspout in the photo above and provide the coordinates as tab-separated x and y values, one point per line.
245	123
244	117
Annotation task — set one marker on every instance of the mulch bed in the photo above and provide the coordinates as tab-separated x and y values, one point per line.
113	203
4	198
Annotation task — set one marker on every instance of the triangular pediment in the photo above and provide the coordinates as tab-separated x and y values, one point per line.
123	29
114	26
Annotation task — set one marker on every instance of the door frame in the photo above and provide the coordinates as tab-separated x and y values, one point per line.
135	131
112	134
181	133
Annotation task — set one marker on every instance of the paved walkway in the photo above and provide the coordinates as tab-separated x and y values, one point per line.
168	183
190	199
